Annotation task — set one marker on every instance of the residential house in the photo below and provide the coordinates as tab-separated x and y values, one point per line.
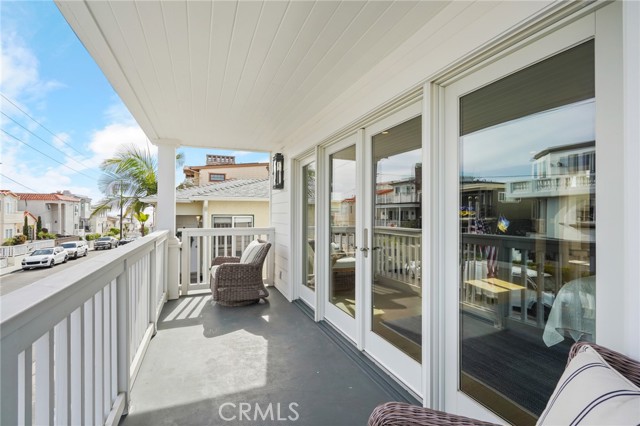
84	221
60	212
98	221
11	217
235	203
219	168
470	88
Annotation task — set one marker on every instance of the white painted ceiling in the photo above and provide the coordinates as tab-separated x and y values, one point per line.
238	74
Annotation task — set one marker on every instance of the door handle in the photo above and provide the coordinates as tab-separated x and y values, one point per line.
365	249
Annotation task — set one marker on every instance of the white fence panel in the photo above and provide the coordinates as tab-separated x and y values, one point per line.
70	348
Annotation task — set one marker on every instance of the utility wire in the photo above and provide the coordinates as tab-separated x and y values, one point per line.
48	156
24	186
41	125
53	146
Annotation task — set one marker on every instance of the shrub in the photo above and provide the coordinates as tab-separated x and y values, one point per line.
90	237
112	232
19	239
43	235
8	242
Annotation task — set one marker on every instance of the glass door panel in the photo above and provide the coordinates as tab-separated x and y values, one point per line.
309	225
342	221
527	231
396	252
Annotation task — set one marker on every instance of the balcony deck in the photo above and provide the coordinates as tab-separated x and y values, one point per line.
204	356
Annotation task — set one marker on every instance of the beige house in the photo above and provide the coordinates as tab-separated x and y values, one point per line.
220	168
11	219
238	203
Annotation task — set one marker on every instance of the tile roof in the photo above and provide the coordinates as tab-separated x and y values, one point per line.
46	197
7	192
234	188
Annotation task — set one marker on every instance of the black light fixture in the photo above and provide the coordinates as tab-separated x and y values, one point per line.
278	171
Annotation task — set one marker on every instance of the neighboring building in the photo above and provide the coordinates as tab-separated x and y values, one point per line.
98	222
60	212
562	189
220	168
11	218
84	223
231	204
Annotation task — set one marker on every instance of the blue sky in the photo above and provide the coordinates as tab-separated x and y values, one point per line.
77	120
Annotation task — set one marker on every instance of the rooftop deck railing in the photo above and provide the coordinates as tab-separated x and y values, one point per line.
71	344
22	249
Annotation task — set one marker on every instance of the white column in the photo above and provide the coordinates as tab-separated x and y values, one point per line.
166	210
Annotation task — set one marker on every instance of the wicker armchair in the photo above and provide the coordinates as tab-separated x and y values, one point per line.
402	414
237	281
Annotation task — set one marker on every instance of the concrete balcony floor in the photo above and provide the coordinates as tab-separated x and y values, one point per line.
206	360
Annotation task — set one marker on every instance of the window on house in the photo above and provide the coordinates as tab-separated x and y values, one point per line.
217	177
228	245
8	233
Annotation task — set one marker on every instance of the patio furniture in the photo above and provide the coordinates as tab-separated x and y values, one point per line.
403	414
237	281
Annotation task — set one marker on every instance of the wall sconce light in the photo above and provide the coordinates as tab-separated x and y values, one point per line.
278	171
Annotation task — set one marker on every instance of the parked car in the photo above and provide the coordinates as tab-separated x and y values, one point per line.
127	240
45	258
75	249
105	243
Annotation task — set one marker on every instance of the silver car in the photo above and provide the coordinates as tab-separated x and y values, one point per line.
45	258
75	249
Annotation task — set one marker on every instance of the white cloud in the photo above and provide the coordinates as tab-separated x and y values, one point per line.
105	142
20	78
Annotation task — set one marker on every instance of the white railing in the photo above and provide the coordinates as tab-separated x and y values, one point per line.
397	254
22	249
72	343
565	184
201	245
393	198
397	251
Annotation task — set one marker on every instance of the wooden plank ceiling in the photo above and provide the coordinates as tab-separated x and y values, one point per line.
238	74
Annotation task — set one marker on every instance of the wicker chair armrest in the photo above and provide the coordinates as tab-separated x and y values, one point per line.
238	274
626	366
403	414
225	259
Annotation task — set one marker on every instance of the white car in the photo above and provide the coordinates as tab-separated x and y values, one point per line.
45	258
75	249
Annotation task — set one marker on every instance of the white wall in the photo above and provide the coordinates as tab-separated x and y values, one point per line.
280	220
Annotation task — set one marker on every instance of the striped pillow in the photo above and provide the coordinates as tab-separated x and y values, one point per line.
591	392
251	252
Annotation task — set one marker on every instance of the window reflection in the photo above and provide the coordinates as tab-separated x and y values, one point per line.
527	255
309	224
397	237
342	279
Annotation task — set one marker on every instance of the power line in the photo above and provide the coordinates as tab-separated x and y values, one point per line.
53	146
41	125
48	156
22	185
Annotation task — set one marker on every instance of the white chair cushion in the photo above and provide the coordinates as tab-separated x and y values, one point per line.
251	252
591	392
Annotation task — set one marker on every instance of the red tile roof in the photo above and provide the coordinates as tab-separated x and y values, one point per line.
46	197
7	192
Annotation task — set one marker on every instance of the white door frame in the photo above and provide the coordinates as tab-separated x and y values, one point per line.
343	322
444	119
391	358
300	289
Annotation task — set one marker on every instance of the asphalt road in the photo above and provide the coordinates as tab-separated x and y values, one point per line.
18	279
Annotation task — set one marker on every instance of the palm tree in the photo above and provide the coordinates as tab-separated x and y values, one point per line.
129	176
141	217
